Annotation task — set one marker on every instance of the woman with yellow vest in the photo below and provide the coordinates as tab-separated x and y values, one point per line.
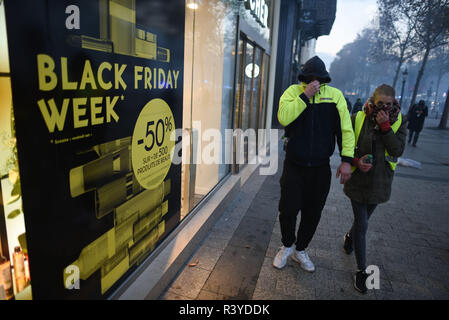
380	133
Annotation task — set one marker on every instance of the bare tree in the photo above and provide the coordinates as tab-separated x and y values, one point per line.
431	25
355	71
442	61
395	36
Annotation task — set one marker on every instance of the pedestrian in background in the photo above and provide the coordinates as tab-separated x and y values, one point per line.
357	106
348	103
380	133
416	117
315	116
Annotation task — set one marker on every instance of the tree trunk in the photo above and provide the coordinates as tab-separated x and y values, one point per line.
443	121
396	75
435	101
420	74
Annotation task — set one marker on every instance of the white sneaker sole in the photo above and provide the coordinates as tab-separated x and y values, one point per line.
300	263
279	268
282	267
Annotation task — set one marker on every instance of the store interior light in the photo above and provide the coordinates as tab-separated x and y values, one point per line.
249	70
192	5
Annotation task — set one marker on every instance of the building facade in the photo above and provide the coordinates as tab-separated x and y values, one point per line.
134	134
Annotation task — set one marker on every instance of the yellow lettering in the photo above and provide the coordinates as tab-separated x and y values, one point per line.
88	77
78	112
54	118
148	78
45	67
110	109
137	76
66	84
94	110
118	76
176	75
104	85
169	80
161	75
154	78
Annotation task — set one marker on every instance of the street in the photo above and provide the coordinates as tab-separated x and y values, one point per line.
408	239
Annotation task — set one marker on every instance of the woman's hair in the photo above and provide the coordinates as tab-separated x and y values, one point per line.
384	89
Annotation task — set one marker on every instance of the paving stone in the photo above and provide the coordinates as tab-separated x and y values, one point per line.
189	283
207	295
207	257
173	296
231	275
408	239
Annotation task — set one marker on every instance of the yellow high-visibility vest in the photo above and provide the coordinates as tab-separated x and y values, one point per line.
359	120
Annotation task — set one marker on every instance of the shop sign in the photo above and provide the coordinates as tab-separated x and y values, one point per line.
97	91
259	10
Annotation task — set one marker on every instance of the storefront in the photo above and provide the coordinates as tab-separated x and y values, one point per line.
97	180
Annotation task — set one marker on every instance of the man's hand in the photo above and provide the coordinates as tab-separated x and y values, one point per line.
364	167
312	88
345	171
382	117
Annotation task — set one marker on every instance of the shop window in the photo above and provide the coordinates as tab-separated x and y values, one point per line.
251	92
14	271
208	96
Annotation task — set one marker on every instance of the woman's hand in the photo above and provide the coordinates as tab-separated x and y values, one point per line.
364	167
382	117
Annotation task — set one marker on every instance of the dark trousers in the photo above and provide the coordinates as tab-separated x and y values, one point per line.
410	136
362	213
303	189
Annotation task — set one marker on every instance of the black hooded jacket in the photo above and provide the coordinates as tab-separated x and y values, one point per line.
314	125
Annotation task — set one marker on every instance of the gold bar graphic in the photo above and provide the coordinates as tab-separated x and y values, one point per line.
163	54
112	146
147	244
145	224
96	44
114	269
117	266
142	203
94	255
100	171
109	196
123	12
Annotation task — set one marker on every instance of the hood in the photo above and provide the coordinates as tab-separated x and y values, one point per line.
314	67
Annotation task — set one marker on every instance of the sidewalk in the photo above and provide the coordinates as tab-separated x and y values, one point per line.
408	239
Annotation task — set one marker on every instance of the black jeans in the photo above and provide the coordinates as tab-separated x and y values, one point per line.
410	136
362	213
305	189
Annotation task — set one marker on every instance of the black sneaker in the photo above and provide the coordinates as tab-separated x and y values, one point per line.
360	281
347	246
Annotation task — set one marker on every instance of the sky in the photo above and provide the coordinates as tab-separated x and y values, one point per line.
352	16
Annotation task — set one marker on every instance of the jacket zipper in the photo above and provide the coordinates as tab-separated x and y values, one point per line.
373	151
313	125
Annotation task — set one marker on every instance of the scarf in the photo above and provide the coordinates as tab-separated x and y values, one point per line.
371	110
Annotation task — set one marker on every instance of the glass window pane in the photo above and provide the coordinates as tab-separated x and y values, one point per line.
208	95
256	88
247	85
264	85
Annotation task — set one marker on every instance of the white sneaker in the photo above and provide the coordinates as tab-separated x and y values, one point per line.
303	259
281	257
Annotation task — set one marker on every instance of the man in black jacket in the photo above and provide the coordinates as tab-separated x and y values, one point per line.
315	116
416	117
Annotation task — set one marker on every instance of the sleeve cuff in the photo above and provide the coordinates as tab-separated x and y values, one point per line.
385	127
347	159
383	133
304	98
